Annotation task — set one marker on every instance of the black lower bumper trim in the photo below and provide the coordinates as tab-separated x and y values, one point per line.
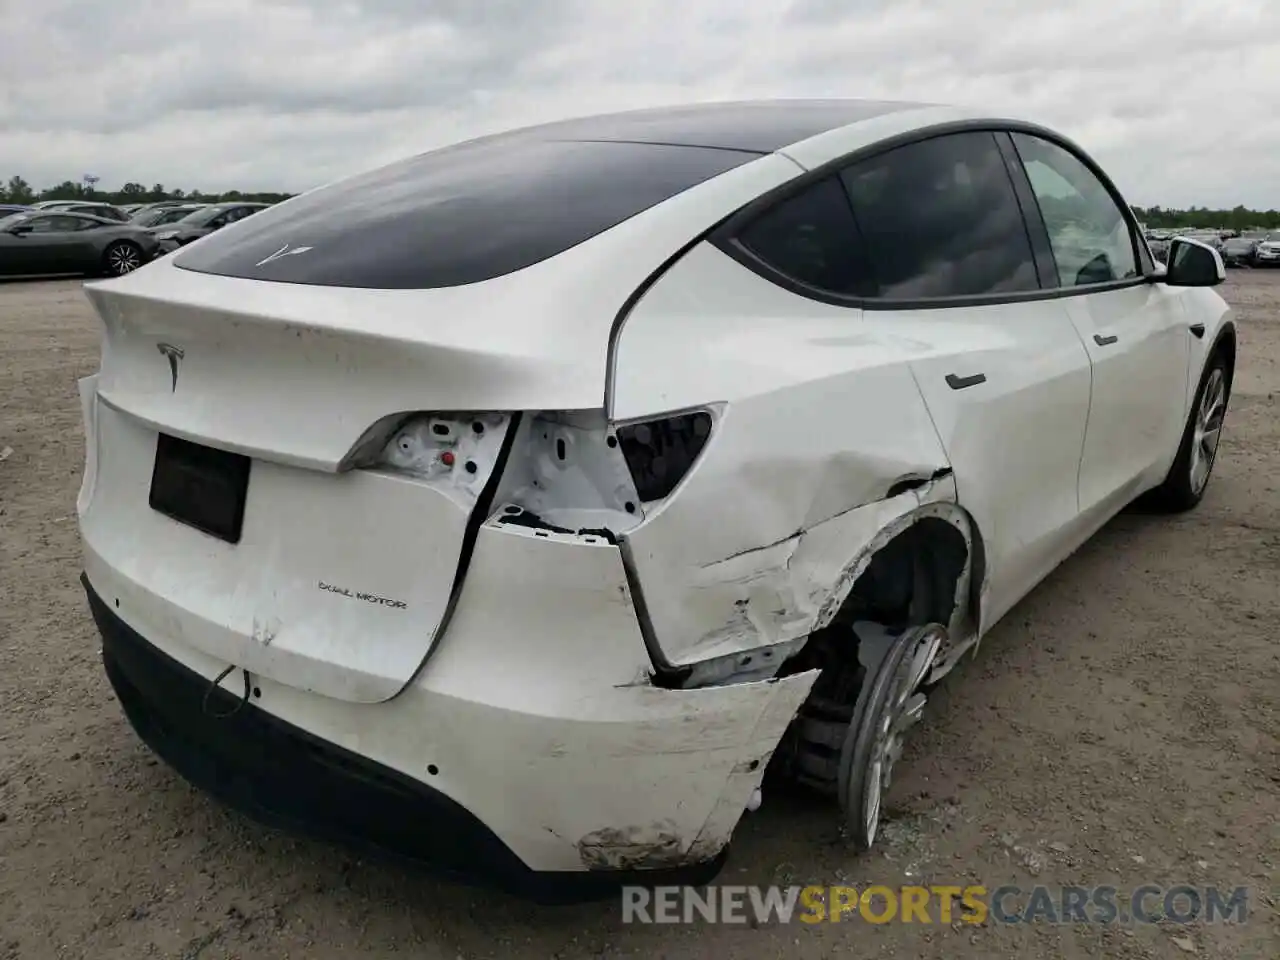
284	777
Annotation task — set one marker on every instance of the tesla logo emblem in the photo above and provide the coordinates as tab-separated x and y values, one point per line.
281	254
174	355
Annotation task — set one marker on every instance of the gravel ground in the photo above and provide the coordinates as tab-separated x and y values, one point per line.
1121	726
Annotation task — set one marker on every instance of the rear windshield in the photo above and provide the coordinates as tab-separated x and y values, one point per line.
460	215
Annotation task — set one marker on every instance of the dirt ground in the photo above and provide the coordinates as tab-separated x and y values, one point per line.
1121	726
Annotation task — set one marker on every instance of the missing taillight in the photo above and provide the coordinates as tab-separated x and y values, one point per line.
429	446
660	452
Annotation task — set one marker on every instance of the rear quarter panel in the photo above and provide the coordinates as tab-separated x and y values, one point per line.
818	415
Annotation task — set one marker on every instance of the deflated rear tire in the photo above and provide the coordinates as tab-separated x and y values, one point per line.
121	258
890	704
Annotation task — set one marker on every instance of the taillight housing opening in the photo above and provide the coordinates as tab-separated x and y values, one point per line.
659	453
568	471
454	452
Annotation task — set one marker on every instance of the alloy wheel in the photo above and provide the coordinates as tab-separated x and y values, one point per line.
123	259
1208	429
894	704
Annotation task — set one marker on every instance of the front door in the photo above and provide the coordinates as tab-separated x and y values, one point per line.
52	245
1135	331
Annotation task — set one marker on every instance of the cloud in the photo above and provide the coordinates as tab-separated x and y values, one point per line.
1178	100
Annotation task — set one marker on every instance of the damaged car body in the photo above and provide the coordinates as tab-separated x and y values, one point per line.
559	484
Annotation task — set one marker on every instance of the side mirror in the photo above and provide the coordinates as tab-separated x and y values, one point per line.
18	229
1193	263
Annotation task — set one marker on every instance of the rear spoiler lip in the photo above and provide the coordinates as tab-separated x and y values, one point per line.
139	413
256	359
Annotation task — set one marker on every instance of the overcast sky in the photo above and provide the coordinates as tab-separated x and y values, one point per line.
1180	101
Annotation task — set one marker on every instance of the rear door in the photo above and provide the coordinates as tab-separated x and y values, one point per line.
1002	369
83	254
1136	332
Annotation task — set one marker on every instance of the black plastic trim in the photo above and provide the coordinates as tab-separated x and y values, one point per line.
724	236
1102	341
1037	233
960	383
284	777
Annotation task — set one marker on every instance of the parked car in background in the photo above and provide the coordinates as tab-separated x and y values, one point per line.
1212	237
40	242
164	205
8	208
203	222
159	216
1239	251
1266	253
107	211
747	420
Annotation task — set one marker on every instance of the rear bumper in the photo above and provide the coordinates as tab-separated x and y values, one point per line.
282	776
561	795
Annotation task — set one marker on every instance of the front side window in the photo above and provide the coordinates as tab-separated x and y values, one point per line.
1091	238
811	237
941	219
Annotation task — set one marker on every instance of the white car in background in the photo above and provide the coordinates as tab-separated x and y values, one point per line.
512	508
1267	253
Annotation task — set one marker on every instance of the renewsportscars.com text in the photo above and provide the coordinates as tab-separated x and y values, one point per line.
940	904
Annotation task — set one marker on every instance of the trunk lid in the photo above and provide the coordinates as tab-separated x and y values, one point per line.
295	374
337	580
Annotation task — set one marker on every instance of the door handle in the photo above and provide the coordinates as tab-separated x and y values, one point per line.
1198	330
1102	341
959	383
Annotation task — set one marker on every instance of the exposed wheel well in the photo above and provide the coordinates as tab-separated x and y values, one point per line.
924	574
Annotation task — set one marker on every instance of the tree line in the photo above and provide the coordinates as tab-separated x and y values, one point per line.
18	190
1238	218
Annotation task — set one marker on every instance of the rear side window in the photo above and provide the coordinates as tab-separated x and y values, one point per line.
941	219
812	238
460	215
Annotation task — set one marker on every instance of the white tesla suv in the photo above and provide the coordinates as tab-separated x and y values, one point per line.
512	508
